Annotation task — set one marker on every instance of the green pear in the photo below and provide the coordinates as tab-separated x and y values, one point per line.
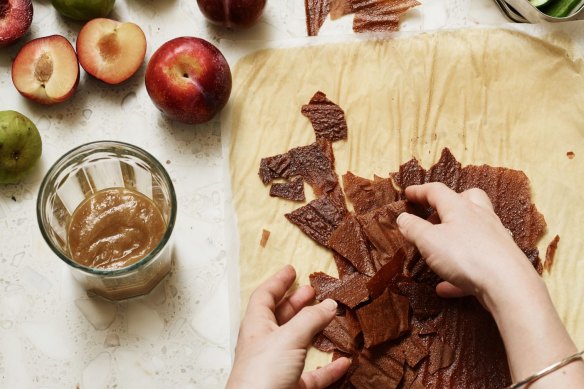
20	146
84	10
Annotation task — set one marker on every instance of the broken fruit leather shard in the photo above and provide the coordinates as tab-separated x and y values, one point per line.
390	323
370	15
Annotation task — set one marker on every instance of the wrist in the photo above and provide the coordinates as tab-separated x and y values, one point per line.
517	286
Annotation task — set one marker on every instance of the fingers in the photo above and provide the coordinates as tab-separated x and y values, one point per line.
300	330
325	376
291	305
447	290
264	299
435	194
478	197
414	229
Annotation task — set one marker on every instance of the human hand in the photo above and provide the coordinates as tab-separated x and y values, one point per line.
274	335
470	248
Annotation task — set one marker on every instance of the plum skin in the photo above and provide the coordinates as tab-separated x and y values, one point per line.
15	20
232	13
189	80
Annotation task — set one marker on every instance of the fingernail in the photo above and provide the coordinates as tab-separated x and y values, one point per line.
329	304
402	218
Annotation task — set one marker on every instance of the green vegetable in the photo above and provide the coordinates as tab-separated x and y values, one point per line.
539	3
561	8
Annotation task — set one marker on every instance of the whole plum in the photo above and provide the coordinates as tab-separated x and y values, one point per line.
232	13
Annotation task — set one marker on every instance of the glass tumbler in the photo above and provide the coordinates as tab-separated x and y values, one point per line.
93	167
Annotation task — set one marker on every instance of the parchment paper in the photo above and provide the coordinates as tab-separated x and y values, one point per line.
495	96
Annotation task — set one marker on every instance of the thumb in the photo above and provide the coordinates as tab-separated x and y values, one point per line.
300	330
447	290
413	228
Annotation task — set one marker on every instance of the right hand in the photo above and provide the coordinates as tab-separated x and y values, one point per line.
470	249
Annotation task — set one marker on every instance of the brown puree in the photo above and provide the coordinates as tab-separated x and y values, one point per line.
114	228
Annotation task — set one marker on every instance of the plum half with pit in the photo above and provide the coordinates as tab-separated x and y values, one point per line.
46	70
188	79
232	13
15	20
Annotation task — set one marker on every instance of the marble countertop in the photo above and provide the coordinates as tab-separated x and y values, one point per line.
52	335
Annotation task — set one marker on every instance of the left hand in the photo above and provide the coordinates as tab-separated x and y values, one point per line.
274	336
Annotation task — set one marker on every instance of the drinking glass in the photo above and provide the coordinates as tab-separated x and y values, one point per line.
97	166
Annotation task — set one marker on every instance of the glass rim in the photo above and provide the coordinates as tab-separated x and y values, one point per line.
104	272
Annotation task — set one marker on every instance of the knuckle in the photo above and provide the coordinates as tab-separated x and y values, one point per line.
437	186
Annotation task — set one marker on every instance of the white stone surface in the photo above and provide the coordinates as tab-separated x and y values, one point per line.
52	335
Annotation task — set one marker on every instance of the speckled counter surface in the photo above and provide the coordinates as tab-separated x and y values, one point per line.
52	335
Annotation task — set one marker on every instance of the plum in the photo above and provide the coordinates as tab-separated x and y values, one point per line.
188	79
15	20
232	13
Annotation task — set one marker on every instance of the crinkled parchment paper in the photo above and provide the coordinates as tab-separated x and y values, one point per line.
510	97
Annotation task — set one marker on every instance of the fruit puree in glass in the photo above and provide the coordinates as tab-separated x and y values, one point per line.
114	228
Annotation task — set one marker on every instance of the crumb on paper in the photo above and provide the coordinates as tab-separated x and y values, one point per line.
550	254
265	237
570	154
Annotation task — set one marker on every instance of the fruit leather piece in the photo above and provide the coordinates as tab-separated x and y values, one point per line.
533	256
381	229
313	162
479	359
367	195
423	299
441	355
339	354
291	190
319	218
423	327
379	15
385	318
322	343
340	8
417	269
277	166
550	253
377	372
327	118
343	331
447	170
510	194
348	240
350	291
409	349
344	267
410	173
383	277
323	284
411	379
316	13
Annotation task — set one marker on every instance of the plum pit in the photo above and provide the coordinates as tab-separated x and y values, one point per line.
109	47
43	69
